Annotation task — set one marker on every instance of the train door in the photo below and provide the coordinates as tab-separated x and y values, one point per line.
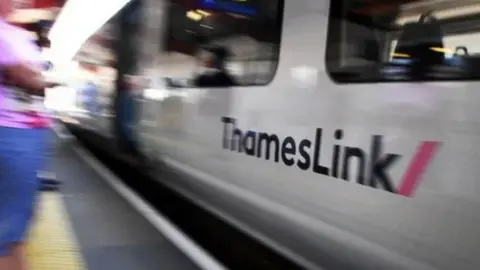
95	77
130	83
153	25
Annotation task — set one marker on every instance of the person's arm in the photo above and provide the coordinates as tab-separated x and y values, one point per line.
16	72
25	78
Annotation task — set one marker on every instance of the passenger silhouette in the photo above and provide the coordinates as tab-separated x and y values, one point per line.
218	75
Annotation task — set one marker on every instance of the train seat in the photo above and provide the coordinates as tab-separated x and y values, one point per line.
417	40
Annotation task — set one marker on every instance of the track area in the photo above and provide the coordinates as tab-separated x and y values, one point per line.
227	244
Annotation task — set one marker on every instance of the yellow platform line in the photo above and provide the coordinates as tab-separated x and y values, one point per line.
52	245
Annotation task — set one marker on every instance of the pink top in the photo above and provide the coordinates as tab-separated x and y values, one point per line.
17	47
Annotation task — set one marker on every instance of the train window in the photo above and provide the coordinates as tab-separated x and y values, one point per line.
403	40
213	43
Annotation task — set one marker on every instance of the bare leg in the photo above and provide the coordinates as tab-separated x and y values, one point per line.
16	260
6	262
19	257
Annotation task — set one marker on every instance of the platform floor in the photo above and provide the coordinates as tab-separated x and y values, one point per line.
52	245
87	225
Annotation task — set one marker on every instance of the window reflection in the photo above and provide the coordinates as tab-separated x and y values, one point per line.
221	43
403	40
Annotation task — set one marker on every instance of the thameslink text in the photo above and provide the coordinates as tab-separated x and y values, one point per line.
372	169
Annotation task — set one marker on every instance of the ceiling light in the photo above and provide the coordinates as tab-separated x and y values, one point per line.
194	15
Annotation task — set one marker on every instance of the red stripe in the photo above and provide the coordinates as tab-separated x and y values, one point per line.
37	121
47	3
413	175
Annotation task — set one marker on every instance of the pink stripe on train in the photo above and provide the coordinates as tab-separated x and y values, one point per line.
414	173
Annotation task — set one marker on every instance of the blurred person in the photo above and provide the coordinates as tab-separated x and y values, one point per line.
47	177
131	85
22	138
90	93
216	75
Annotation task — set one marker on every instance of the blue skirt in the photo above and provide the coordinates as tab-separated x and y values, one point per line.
48	152
20	156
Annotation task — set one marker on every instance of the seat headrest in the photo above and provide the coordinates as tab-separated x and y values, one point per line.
418	39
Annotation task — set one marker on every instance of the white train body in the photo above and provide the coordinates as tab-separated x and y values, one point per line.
335	173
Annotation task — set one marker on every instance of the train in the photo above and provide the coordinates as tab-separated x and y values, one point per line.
345	138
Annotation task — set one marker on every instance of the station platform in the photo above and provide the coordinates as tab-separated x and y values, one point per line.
87	225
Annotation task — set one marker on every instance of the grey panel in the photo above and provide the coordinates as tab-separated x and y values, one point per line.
111	234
